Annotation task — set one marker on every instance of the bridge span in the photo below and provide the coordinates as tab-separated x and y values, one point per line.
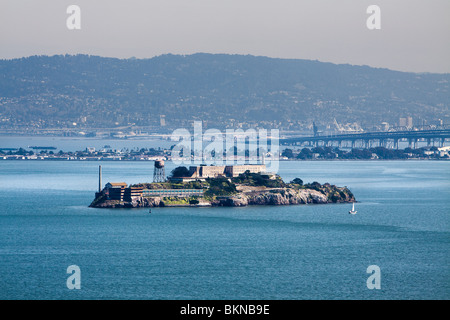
373	139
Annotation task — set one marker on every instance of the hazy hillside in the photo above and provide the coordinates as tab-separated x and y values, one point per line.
223	90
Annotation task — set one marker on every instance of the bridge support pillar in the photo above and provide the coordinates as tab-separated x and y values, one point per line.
396	144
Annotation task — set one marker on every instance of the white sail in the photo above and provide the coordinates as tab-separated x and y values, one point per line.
353	209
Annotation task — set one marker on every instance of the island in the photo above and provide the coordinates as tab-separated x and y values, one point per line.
197	186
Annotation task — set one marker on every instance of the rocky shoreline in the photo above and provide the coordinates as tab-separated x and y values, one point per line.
321	194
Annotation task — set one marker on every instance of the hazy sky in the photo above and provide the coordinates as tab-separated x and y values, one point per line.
414	35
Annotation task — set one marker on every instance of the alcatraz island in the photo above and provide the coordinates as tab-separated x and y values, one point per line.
230	185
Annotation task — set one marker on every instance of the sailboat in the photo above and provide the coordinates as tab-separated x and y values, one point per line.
353	211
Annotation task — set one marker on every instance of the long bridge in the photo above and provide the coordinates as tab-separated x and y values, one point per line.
373	139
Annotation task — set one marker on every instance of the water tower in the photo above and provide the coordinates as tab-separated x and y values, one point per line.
159	174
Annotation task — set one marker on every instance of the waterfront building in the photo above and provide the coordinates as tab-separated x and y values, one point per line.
172	192
115	190
132	193
111	185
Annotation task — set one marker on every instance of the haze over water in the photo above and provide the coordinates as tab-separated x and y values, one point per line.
256	252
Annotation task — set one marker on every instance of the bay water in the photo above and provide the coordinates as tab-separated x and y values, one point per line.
256	252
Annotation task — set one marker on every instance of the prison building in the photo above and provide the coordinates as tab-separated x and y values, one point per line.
224	171
132	193
111	185
206	171
115	190
172	192
115	193
235	171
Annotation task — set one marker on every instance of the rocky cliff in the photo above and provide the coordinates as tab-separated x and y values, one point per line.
139	202
287	196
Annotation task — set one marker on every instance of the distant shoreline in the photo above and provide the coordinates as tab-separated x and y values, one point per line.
281	160
44	151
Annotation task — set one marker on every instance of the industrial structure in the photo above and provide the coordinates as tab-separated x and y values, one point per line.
99	179
159	172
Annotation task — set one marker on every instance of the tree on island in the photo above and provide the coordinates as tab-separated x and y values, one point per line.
297	181
180	172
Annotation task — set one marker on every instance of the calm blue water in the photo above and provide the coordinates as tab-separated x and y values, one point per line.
289	252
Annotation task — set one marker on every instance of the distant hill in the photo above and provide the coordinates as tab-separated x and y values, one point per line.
223	90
